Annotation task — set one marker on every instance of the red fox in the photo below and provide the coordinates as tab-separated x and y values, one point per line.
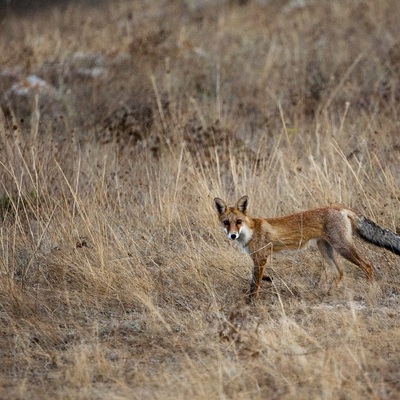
330	227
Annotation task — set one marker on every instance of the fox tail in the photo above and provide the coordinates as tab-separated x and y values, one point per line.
373	233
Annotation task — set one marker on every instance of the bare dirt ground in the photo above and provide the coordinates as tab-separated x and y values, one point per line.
119	123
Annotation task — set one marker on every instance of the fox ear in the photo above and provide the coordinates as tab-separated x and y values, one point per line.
220	205
242	204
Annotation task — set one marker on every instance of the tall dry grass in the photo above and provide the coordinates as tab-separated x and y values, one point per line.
116	280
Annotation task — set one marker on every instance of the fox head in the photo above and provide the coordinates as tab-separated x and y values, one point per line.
234	218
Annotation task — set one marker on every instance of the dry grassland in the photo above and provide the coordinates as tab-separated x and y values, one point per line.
116	281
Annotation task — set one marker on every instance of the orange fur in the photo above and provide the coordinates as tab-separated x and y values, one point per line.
331	227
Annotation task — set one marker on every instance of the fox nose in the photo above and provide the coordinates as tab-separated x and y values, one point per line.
233	236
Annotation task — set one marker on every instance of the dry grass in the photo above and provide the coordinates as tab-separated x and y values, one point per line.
115	279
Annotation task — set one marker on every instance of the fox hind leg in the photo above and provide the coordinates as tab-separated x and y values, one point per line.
328	253
339	236
351	254
346	249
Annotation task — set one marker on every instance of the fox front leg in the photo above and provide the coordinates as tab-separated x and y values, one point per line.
258	272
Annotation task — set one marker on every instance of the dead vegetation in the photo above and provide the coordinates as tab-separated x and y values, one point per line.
119	124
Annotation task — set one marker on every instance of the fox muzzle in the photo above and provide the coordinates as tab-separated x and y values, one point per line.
233	236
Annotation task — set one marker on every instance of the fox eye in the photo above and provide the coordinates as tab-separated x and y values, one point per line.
226	223
239	221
